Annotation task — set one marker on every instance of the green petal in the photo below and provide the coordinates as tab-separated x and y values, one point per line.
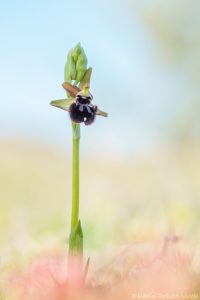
101	113
62	103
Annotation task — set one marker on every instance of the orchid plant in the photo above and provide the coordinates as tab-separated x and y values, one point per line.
81	109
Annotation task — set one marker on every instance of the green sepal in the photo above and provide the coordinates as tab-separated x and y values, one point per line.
62	103
86	78
76	240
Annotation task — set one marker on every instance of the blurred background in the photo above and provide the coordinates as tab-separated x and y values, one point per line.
139	167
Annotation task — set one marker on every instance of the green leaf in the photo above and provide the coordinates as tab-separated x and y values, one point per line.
62	103
76	240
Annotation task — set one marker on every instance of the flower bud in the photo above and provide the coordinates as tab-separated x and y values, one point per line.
70	68
76	65
81	66
76	52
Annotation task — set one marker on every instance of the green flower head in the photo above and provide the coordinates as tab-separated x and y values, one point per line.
77	83
76	65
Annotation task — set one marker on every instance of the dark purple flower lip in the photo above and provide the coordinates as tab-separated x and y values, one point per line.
76	94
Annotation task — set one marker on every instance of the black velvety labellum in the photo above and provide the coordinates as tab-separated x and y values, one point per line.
82	113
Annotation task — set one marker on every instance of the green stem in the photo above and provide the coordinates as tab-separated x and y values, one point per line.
75	174
76	234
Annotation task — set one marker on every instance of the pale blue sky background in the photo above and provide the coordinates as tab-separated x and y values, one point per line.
128	81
